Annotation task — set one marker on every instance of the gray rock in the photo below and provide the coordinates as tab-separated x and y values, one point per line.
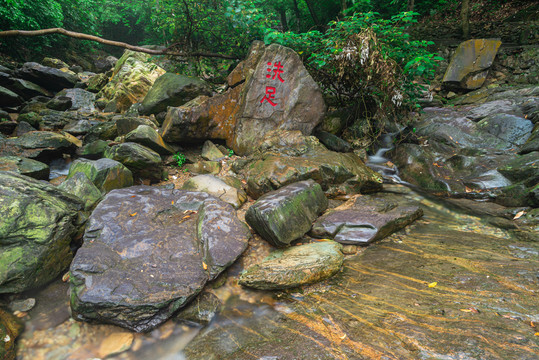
126	124
211	152
287	214
60	103
149	137
9	99
26	89
510	128
104	131
38	223
80	127
142	161
333	142
287	157
81	100
38	145
216	187
364	219
172	90
83	188
106	174
295	266
148	251
22	128
23	166
50	78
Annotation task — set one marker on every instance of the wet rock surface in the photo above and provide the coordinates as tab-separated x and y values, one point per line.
287	214
295	266
459	151
289	157
365	219
147	252
38	223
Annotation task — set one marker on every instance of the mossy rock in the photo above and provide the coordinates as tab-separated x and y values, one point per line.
106	174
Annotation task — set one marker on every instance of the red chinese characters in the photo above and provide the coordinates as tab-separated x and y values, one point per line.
270	90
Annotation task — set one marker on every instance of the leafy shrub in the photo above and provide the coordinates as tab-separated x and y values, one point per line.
367	61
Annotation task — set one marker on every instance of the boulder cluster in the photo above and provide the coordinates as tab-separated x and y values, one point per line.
80	151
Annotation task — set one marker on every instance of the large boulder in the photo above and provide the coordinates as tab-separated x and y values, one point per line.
364	219
172	90
38	223
148	251
295	266
24	88
469	66
50	78
287	214
270	90
142	161
106	174
287	157
37	145
132	78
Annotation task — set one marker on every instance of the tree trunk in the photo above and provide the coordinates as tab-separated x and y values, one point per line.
312	12
465	18
284	23
343	6
76	35
296	11
411	4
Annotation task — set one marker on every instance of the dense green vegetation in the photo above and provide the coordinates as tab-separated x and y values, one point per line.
358	50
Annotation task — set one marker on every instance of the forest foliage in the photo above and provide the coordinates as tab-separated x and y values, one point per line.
352	47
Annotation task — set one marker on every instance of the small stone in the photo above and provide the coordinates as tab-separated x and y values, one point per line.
115	343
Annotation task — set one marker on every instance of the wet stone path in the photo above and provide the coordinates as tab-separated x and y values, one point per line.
448	287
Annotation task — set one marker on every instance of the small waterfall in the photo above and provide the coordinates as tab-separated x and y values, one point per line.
379	163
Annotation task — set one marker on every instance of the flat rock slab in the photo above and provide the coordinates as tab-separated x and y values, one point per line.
217	187
287	214
148	251
364	219
295	266
38	223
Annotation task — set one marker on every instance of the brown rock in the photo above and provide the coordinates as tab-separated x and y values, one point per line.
470	63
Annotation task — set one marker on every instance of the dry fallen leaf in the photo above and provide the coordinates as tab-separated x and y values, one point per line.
433	284
65	278
519	214
204	266
172	203
133	214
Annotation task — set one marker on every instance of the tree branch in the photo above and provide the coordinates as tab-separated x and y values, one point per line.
76	35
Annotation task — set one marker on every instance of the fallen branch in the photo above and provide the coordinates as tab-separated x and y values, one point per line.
76	35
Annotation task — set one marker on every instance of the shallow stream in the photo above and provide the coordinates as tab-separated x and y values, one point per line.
451	286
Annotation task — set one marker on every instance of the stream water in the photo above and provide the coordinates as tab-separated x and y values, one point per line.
457	284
